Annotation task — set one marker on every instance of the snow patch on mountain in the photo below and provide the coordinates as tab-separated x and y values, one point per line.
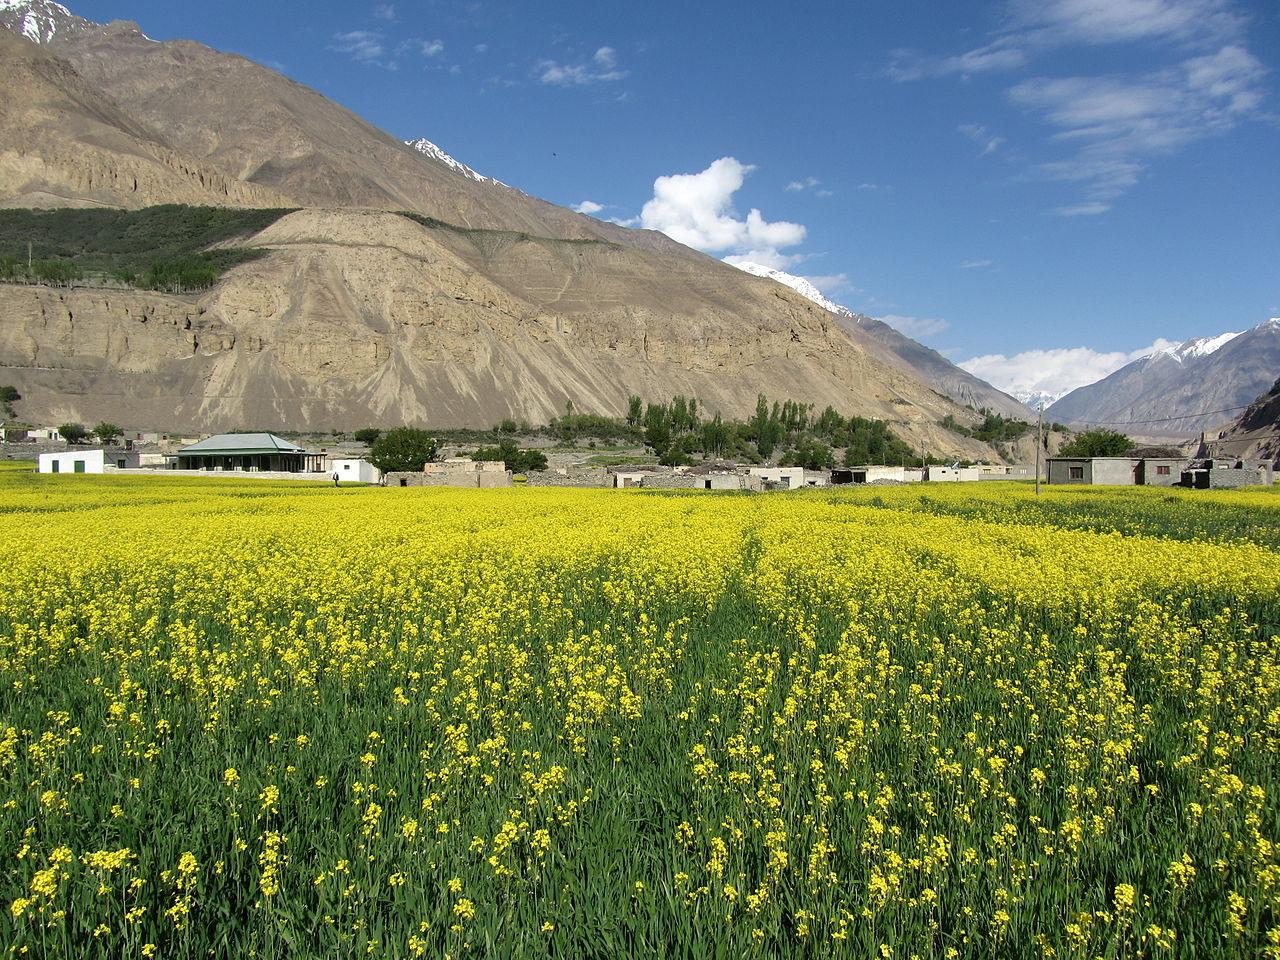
37	20
429	149
1195	347
800	285
1037	398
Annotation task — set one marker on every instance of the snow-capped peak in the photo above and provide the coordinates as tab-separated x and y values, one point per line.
800	285
1194	348
1037	398
429	149
37	20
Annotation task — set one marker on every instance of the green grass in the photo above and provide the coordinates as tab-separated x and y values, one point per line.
164	247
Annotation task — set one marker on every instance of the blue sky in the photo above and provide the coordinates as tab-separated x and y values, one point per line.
1048	185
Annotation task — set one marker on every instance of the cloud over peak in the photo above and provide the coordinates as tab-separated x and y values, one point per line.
696	209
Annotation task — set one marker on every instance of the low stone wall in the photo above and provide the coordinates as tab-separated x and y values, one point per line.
481	479
672	481
31	451
1235	479
587	477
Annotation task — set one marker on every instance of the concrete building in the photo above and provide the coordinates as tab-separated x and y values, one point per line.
73	461
123	459
1002	471
779	478
869	473
247	452
1098	471
1161	471
354	471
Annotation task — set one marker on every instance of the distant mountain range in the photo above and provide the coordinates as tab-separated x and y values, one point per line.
901	351
1197	385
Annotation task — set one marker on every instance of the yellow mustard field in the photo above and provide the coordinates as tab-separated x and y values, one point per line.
254	719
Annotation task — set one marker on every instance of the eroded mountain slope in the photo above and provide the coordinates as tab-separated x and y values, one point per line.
363	317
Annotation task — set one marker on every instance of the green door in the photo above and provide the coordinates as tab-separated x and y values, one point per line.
79	466
56	465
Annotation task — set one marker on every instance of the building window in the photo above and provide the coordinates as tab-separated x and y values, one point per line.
79	466
120	464
1162	471
1077	473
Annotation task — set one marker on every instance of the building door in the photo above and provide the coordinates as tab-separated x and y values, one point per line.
56	466
79	466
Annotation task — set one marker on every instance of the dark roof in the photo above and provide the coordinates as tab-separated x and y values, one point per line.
1156	453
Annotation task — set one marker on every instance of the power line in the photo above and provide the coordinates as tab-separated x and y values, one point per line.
1187	416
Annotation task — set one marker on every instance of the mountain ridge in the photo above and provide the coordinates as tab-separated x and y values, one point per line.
899	350
1182	389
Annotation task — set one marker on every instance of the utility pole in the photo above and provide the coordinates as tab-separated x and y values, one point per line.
28	258
1039	443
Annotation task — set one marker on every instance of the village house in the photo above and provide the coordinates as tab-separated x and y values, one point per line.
1097	471
1227	473
247	452
455	472
353	470
73	461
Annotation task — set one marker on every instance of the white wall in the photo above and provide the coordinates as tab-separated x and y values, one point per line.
355	471
94	462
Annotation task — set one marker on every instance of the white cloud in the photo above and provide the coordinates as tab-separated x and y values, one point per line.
480	47
601	68
1031	27
385	11
980	135
1048	22
589	207
1053	371
425	48
1091	208
1118	124
808	183
363	45
873	187
975	264
696	209
917	328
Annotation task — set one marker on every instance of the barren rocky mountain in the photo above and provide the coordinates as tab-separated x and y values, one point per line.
490	304
899	350
255	125
64	143
1195	382
359	317
1256	434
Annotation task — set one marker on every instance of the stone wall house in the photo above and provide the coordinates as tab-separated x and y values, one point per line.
1227	474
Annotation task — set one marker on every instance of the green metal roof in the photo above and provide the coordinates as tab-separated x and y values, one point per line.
231	444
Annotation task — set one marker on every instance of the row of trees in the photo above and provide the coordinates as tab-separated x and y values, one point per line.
994	428
104	432
676	432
